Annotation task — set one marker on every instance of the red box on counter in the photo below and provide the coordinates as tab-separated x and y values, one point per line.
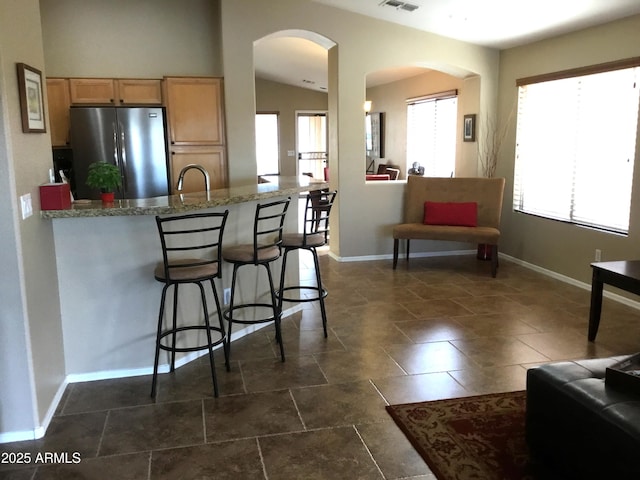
55	196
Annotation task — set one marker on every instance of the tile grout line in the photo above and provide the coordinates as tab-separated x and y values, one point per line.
150	461
264	466
204	421
295	404
104	428
364	444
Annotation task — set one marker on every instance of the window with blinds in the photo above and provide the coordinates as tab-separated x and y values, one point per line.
576	145
431	133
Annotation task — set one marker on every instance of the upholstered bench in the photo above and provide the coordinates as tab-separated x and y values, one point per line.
485	193
580	427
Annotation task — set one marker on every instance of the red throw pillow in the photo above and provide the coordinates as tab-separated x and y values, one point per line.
462	214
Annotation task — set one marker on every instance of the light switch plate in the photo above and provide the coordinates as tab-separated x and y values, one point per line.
25	203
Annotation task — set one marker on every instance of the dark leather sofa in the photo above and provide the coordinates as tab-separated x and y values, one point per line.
580	428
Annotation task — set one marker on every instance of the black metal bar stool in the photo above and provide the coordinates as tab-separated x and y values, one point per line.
315	233
267	237
191	252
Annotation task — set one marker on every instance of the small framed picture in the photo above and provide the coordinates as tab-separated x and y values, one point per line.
31	99
469	129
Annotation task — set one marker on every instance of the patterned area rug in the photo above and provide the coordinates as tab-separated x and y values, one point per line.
478	437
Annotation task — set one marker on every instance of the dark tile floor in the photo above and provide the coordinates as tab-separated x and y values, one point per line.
441	327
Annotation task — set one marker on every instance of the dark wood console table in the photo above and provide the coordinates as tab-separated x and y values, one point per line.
623	274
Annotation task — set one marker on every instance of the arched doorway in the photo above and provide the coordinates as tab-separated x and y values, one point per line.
290	69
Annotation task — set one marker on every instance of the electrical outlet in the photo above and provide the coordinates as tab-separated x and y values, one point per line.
598	255
227	296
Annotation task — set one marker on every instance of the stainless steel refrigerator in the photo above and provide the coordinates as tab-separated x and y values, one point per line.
133	138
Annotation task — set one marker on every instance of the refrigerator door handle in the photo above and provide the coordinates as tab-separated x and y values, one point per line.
115	146
123	157
123	149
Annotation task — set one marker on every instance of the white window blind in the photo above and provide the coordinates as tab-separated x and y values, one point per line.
431	133
575	148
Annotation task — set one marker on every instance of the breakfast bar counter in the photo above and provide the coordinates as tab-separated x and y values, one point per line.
270	186
106	256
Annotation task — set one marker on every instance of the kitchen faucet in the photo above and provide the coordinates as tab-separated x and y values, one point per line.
207	182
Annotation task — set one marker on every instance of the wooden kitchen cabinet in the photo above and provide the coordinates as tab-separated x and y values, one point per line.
212	158
58	101
115	91
92	91
139	91
195	110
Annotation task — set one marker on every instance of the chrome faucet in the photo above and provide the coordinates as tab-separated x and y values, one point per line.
207	181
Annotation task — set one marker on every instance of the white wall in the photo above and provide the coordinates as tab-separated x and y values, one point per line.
364	213
31	358
556	246
241	23
125	38
110	298
391	99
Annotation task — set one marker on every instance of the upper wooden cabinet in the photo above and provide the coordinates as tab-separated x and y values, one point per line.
195	110
58	101
110	91
92	91
139	92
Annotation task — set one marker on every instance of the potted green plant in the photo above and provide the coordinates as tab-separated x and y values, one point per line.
106	177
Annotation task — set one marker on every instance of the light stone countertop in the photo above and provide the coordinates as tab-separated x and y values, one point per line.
275	186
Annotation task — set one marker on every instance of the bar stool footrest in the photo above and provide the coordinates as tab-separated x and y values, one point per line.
214	343
281	295
228	312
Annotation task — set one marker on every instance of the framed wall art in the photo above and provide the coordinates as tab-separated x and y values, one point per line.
374	131
469	128
31	99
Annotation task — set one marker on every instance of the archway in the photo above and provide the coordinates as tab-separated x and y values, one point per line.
290	68
391	90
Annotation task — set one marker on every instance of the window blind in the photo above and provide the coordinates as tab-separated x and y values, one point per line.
575	148
431	133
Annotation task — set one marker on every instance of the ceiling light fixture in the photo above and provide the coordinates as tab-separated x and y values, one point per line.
398	5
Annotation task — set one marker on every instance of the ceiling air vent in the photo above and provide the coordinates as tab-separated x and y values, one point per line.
398	5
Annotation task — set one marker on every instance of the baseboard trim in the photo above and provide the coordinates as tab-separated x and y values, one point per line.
389	256
8	437
164	368
39	431
550	273
572	281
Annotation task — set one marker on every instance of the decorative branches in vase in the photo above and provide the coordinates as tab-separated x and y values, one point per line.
490	143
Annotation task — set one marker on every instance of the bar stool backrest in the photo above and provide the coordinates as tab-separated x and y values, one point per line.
316	214
191	242
268	225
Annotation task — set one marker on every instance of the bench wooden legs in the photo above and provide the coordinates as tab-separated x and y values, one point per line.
494	256
494	260
396	243
395	252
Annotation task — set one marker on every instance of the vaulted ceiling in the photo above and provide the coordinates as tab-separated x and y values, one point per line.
496	24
